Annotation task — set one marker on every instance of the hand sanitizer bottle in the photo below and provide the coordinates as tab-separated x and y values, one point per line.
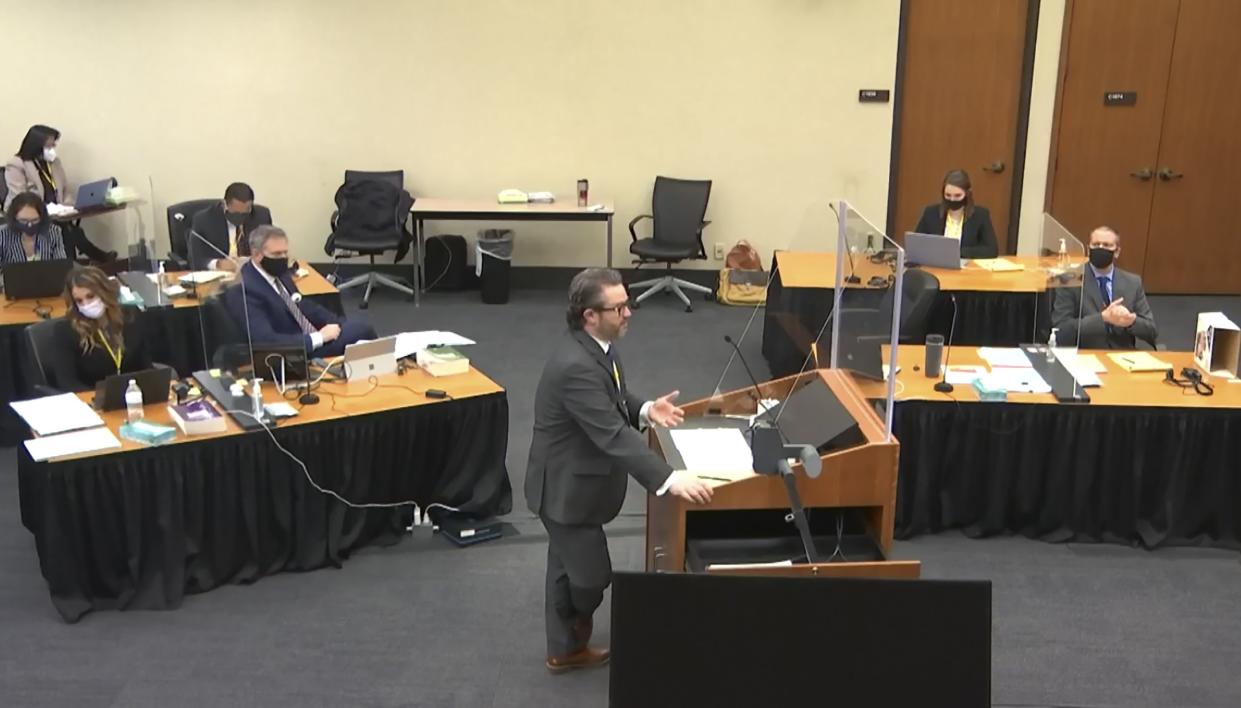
256	397
1051	345
1064	254
133	402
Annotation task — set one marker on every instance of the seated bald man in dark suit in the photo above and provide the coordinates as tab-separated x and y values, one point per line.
1110	310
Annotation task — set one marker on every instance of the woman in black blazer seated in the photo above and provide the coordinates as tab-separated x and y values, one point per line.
105	338
957	217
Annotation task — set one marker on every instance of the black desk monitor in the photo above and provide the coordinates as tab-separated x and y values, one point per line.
35	279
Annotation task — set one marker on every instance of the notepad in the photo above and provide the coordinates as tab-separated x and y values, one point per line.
965	374
1139	362
998	265
56	414
75	443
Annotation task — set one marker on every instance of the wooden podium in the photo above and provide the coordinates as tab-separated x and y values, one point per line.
748	517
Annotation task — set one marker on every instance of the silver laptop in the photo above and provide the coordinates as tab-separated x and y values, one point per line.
92	195
933	250
374	358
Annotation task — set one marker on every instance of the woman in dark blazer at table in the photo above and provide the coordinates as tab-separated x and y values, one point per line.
105	338
956	216
37	168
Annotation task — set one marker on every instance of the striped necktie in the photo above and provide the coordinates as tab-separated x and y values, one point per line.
296	311
615	368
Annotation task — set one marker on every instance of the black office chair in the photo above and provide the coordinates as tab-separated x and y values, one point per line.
371	217
56	372
919	291
677	210
180	216
225	340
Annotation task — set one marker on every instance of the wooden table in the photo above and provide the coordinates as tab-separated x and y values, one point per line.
1143	463
141	527
173	330
431	209
975	306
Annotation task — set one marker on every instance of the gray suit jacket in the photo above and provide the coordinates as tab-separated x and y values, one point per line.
1073	316
586	440
22	176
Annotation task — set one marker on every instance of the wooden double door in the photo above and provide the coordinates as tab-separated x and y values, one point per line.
1147	137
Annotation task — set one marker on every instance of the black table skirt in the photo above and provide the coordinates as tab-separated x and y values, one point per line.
142	529
175	337
794	316
1142	476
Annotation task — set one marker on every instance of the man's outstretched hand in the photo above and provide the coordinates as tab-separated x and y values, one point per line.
664	412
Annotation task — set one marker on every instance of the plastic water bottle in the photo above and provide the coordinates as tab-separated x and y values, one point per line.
133	401
1051	345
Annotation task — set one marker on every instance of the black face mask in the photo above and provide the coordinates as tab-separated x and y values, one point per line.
1101	257
235	218
949	204
275	267
28	229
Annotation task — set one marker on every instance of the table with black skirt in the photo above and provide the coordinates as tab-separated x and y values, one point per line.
143	527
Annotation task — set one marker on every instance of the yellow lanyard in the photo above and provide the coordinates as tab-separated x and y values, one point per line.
616	374
117	354
46	171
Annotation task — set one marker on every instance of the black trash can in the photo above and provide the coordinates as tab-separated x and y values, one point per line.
493	263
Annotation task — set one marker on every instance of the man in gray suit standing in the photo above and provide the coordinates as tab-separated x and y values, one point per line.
1110	310
586	443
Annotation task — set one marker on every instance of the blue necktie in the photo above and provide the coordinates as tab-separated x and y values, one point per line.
1105	286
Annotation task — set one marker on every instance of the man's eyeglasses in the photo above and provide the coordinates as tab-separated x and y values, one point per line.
618	309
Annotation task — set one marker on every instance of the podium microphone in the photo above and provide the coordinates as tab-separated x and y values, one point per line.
943	386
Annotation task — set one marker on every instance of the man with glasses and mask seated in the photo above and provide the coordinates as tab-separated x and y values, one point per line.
276	313
226	226
1110	310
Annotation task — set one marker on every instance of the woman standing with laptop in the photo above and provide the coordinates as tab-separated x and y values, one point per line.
956	216
36	168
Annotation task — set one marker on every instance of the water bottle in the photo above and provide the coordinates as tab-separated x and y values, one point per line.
1064	254
133	401
256	399
1051	345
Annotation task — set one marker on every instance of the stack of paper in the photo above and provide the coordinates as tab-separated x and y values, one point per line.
964	374
75	443
56	414
712	451
410	343
1139	361
998	265
1006	356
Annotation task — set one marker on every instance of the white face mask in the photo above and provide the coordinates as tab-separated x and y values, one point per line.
49	154
93	309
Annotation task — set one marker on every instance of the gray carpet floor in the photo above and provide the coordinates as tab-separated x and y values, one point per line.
424	624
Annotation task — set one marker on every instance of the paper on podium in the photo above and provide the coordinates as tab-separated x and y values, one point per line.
721	453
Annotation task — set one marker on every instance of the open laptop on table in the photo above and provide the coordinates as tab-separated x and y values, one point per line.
93	195
366	359
155	383
35	279
933	250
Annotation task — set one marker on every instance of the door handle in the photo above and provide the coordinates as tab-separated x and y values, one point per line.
997	167
1143	174
1167	175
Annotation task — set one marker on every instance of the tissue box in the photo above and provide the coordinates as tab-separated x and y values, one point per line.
148	433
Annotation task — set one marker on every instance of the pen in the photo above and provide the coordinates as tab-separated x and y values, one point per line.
713	479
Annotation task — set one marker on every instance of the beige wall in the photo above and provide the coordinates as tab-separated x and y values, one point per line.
472	97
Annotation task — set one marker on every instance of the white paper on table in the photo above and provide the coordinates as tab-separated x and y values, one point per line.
201	277
713	449
410	343
75	443
964	375
54	209
1004	356
56	414
1080	370
1017	380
